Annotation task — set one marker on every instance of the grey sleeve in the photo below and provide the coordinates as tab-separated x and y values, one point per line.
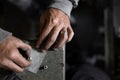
4	34
64	5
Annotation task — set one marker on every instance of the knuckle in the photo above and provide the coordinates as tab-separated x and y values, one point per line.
12	55
52	39
72	33
54	21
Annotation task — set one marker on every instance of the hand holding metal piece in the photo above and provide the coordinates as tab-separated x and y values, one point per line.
10	75
13	60
25	54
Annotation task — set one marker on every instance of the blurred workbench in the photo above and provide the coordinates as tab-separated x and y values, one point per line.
55	62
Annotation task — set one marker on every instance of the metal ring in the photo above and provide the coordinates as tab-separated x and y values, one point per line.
63	32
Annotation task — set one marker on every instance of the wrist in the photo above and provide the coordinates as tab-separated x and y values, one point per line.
63	5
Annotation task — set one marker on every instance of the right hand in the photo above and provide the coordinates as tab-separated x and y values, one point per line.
10	57
55	30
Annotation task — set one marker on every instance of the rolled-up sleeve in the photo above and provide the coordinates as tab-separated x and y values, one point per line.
4	34
64	5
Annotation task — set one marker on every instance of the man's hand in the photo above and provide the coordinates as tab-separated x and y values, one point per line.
55	30
10	58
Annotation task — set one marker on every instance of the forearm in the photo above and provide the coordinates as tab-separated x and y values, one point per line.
64	5
4	34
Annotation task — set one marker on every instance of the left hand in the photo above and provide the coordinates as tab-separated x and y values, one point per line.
55	27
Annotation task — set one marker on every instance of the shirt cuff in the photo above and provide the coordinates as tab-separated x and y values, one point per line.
64	5
4	34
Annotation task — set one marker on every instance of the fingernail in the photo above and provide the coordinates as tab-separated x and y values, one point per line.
43	51
55	49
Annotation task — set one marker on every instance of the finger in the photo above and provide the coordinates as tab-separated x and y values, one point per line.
4	67
42	23
52	38
62	39
70	34
18	59
44	33
8	64
25	47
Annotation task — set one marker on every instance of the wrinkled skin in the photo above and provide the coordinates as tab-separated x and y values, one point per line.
10	58
53	23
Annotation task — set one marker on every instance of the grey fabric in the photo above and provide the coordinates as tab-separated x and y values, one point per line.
64	5
4	34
